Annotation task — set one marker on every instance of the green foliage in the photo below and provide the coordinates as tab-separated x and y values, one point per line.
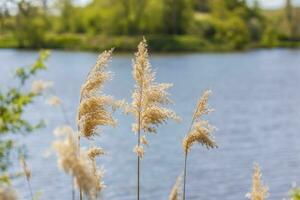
230	23
270	35
233	32
13	101
295	194
30	25
177	15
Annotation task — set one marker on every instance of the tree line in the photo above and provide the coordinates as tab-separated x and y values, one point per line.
234	23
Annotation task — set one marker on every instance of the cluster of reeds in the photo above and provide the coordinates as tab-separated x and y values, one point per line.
149	99
148	106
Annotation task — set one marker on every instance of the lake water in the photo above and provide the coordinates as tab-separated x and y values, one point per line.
256	96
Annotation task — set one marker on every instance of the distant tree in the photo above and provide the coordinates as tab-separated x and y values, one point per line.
67	14
177	14
289	10
30	26
201	5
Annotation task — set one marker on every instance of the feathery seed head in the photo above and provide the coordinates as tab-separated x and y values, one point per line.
139	150
200	131
176	190
200	134
94	82
54	101
95	108
259	190
144	140
94	152
77	164
148	96
8	193
103	60
38	86
202	106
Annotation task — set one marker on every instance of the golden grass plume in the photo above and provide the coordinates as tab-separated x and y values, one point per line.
8	193
54	101
175	193
96	108
200	130
259	190
77	164
38	86
148	97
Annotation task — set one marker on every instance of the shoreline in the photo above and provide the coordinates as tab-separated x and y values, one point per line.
126	44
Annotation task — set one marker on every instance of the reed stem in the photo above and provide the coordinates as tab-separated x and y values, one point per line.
138	171
138	157
30	189
139	140
73	189
184	175
80	191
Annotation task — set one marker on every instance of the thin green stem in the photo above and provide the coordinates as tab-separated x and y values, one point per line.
184	174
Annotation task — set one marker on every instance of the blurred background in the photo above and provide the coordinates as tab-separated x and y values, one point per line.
246	52
170	25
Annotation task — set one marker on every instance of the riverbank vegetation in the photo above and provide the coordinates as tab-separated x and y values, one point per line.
170	25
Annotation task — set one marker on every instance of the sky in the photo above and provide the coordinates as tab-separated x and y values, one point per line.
270	4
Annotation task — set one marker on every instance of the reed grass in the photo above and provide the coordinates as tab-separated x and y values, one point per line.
259	190
96	109
55	101
200	131
176	191
8	193
76	164
147	100
27	174
148	106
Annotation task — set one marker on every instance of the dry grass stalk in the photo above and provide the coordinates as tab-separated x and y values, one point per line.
96	108
26	170
92	154
148	99
38	86
27	174
176	190
200	131
259	190
54	101
148	96
59	131
79	166
8	193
